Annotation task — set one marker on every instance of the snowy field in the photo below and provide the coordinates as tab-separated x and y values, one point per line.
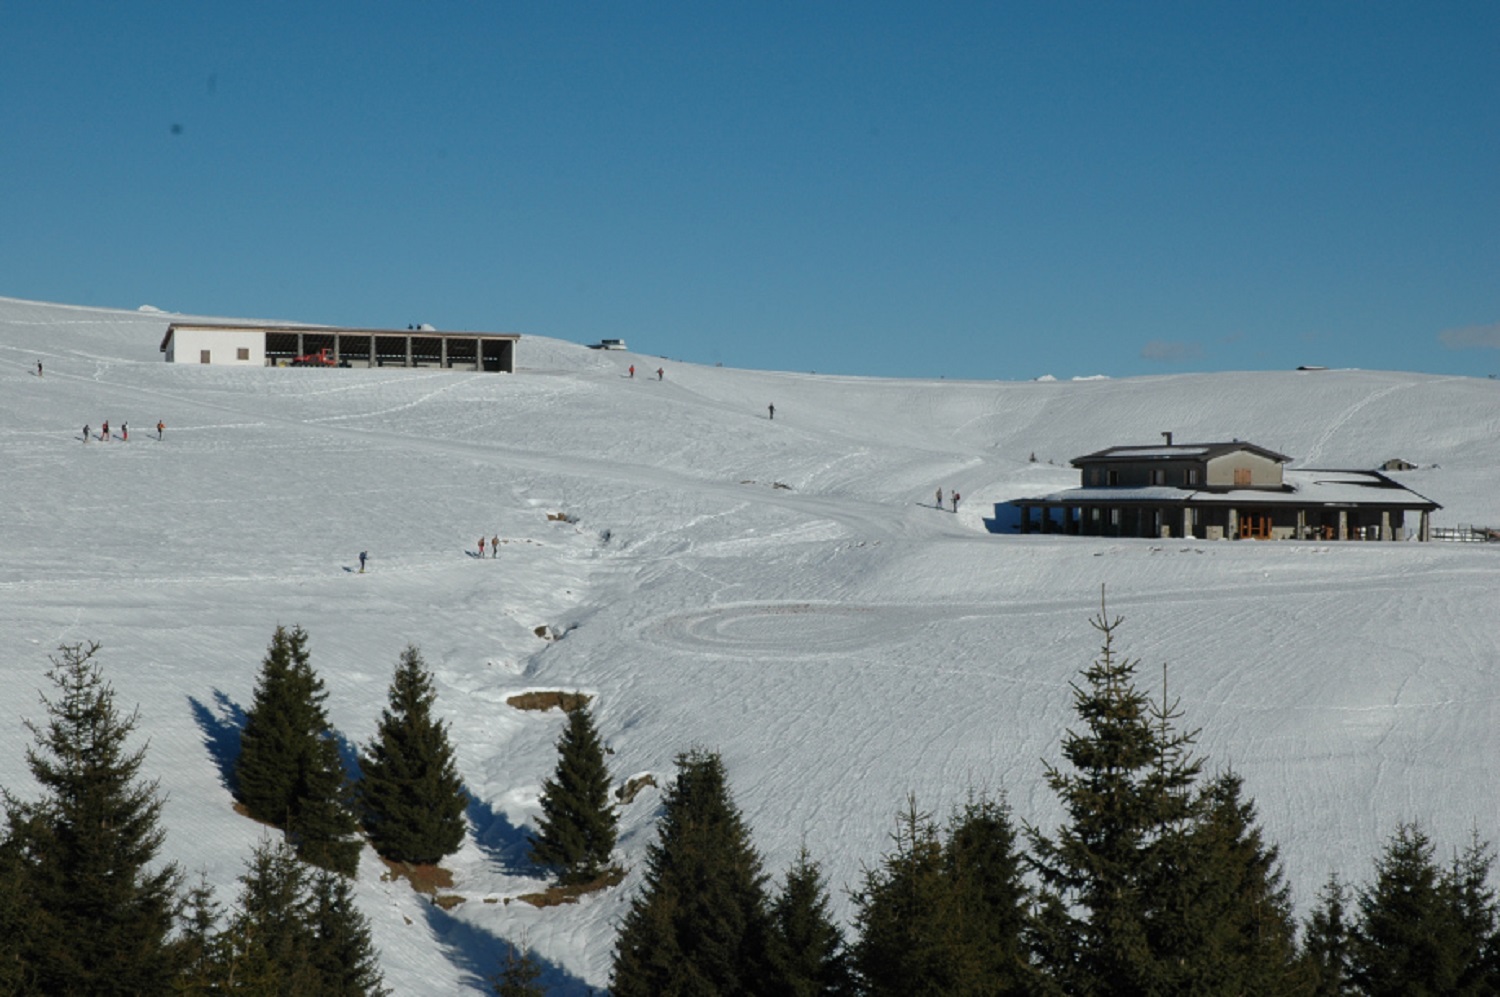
781	591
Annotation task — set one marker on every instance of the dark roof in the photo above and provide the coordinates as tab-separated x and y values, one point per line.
1176	451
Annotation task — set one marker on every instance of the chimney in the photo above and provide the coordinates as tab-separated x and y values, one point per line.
1167	437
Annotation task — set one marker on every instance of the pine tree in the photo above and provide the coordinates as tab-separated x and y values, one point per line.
99	916
1325	947
983	865
1128	801
1225	911
294	931
1418	932
411	799
341	954
807	947
945	916
578	823
289	773
518	975
699	926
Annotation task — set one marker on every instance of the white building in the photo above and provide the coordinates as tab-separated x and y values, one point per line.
282	345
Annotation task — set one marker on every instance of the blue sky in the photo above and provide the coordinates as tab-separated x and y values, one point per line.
985	190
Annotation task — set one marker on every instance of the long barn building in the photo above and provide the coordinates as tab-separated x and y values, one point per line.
283	345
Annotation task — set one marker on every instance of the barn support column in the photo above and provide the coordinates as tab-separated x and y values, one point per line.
372	351
1233	529
1187	522
1424	528
1301	524
1025	519
443	352
1343	524
301	349
408	351
1385	525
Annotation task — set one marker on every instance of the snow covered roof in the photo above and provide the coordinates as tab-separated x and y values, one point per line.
1203	451
1305	486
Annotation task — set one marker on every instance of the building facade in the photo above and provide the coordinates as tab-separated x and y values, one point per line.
283	345
1217	491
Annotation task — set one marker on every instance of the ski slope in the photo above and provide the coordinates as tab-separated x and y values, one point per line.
782	592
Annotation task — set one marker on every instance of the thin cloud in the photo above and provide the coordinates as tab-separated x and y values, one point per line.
1168	351
1472	337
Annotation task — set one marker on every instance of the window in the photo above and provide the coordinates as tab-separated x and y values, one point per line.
1114	477
1190	476
203	356
1159	476
243	353
1241	477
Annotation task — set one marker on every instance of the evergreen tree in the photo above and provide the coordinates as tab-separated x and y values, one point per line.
342	954
411	798
1325	947
1418	932
1128	801
945	916
295	932
289	773
983	865
14	919
578	822
199	945
699	926
98	916
518	975
807	947
904	916
1225	910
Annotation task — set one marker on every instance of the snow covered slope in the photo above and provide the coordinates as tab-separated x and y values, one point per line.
782	592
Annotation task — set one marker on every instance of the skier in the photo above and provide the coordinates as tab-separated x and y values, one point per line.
159	427
658	373
955	500
939	498
481	546
632	371
362	555
38	368
771	409
85	434
494	545
104	431
125	431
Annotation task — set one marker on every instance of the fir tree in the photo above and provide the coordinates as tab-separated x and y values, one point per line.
1128	801
518	975
294	931
289	773
578	822
1325	947
342	954
1224	909
98	916
411	798
945	916
699	926
807	947
1418	932
14	917
199	944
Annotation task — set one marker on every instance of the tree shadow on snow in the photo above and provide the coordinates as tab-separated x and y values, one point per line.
220	725
480	954
498	838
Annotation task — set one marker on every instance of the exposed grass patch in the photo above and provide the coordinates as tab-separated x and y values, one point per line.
556	895
426	879
448	901
550	699
632	787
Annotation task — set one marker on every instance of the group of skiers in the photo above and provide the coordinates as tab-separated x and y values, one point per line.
124	431
953	497
494	546
659	372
